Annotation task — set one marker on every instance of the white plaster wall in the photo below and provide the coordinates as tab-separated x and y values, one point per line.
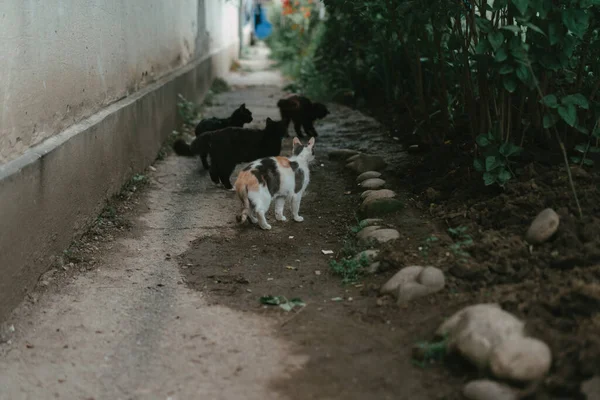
64	60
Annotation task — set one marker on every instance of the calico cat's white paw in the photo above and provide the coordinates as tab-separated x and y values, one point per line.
266	227
298	218
281	218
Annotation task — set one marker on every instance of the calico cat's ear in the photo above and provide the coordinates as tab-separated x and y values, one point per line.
296	142
311	142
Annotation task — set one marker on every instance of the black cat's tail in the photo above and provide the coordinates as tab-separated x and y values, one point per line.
182	148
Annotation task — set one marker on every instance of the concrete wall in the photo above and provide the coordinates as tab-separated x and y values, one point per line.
63	60
89	92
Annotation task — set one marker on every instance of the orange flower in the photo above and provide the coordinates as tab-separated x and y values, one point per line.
307	14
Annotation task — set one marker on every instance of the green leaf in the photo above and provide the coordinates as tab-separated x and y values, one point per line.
576	21
521	5
482	141
596	132
523	74
496	39
511	28
501	55
588	162
482	47
270	300
505	69
489	178
576	99
581	147
550	101
510	83
492	162
568	113
484	24
478	165
550	120
555	33
575	159
504	176
509	149
534	28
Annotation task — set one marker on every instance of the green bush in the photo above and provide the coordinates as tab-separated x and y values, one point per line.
520	71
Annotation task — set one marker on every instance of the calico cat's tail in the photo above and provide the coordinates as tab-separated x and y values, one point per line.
182	148
242	191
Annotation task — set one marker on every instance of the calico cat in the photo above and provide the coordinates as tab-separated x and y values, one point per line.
278	178
302	112
231	146
201	143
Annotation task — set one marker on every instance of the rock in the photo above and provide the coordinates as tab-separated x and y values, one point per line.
412	290
370	255
365	162
521	359
379	207
468	269
373	183
380	194
365	194
341	154
476	330
591	388
367	175
407	274
432	277
352	158
370	222
380	235
489	390
413	149
579	172
431	194
365	232
413	282
543	227
373	268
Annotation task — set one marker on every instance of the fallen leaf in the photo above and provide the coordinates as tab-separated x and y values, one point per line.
337	299
327	251
317	272
290	267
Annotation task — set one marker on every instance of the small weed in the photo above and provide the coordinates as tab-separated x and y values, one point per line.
350	269
462	239
424	249
360	225
282	302
430	352
188	110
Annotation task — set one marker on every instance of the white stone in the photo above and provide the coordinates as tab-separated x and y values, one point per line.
379	194
407	274
489	390
370	222
365	194
521	359
476	330
368	175
373	183
365	232
380	235
543	227
432	277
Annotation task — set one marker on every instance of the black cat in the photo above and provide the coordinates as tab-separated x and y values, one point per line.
302	112
231	146
201	144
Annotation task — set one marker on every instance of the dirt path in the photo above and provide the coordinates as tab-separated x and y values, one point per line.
169	308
